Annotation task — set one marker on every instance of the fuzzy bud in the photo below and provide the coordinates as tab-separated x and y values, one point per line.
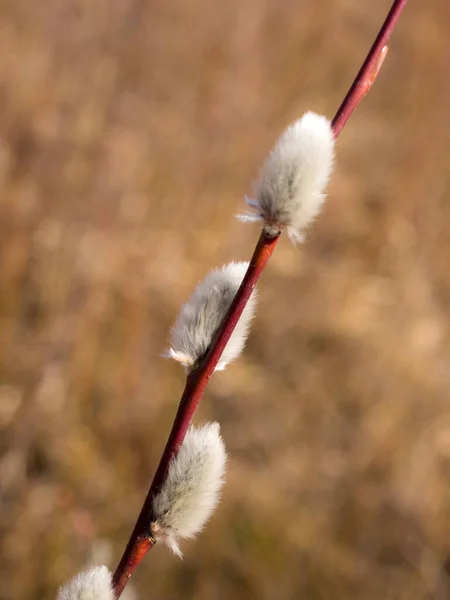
201	316
191	490
93	584
290	190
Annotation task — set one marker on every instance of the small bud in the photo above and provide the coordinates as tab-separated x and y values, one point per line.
191	490
94	584
290	190
201	316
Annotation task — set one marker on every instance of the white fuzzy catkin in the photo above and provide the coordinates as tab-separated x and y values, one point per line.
202	314
93	584
290	190
191	490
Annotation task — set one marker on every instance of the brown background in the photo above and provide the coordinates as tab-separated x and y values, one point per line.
130	131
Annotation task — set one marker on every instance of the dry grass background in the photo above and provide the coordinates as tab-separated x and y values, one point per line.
129	132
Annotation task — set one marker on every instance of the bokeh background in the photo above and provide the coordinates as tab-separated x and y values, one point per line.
130	131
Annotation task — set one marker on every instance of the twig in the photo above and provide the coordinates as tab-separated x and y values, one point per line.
369	70
196	382
141	540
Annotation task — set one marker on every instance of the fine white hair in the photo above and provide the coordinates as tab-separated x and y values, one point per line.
290	190
201	316
93	584
192	487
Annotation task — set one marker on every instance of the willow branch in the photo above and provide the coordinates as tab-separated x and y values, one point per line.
369	69
141	540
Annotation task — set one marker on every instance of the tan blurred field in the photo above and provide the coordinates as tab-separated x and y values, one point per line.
130	131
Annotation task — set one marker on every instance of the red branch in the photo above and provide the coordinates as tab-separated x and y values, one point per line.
140	540
369	70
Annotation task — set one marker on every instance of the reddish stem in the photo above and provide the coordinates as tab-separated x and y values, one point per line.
369	70
140	540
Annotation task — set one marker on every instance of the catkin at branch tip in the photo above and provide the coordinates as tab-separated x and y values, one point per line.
92	584
290	190
201	316
191	490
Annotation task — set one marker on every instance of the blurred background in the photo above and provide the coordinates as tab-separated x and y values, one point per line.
130	131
